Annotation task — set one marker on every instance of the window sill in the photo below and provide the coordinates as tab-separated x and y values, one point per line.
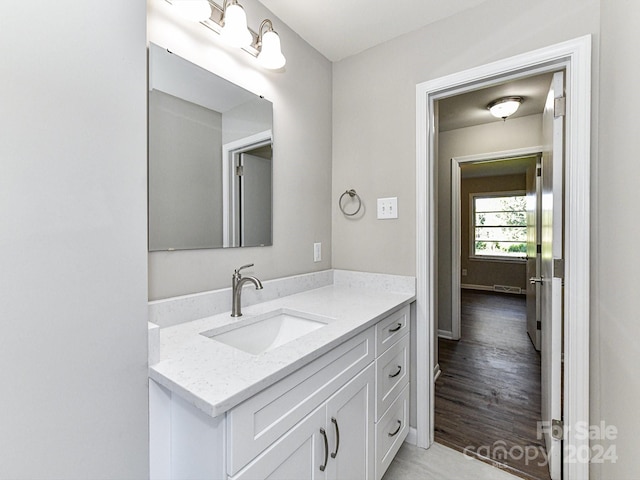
519	260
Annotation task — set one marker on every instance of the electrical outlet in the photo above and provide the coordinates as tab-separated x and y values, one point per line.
387	208
317	252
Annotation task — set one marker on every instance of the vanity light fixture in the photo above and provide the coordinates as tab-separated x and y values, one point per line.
268	44
230	22
504	107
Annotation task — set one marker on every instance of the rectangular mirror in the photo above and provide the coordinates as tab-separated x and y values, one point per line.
210	159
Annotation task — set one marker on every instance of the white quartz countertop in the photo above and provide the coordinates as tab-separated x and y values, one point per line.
215	377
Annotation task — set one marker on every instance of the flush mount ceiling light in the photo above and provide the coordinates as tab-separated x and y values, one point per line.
268	44
194	10
230	22
504	107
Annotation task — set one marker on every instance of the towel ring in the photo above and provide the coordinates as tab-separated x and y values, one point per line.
352	193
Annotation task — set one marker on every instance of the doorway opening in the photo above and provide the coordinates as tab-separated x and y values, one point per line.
488	396
575	57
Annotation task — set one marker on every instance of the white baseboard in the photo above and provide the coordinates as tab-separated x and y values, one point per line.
445	334
412	436
436	372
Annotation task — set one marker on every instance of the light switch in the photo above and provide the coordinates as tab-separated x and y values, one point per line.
317	252
387	208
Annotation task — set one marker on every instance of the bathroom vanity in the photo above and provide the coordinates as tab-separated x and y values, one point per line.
329	400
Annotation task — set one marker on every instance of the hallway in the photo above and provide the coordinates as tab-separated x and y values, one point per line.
488	395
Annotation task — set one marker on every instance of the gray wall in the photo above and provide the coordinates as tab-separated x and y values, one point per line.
615	328
374	146
301	97
72	209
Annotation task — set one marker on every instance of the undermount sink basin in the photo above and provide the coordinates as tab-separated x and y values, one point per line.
265	332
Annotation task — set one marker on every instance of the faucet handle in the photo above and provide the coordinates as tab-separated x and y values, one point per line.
237	271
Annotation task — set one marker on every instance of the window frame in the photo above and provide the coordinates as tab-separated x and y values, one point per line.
472	228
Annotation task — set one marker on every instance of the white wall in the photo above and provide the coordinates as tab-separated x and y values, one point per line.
615	261
72	250
301	97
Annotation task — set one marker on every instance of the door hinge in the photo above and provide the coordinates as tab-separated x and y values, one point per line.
557	429
559	107
538	325
539	249
538	171
239	170
558	268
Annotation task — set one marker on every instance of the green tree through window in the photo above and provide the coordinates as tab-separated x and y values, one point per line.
500	225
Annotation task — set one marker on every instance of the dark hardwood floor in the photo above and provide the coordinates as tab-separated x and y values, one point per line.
488	394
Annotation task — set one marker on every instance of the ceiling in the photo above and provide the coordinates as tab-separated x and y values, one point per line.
341	28
469	109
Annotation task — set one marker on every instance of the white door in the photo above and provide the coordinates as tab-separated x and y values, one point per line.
255	201
533	258
551	286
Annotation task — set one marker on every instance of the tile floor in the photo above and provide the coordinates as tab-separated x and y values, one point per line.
440	463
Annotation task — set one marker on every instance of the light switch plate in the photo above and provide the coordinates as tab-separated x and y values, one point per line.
317	252
387	208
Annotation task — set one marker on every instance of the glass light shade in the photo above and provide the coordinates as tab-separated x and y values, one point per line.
194	10
504	108
270	55
235	31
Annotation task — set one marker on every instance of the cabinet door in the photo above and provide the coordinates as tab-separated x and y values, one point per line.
298	455
350	427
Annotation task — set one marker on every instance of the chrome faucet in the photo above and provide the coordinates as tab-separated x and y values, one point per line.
237	282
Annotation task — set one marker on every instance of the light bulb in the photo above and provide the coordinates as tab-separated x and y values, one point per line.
270	55
235	31
194	10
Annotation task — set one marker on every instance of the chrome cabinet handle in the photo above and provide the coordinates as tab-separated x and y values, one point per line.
398	327
393	434
326	449
534	280
392	375
335	424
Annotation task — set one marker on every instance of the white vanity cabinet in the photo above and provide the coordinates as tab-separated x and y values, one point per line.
344	415
333	442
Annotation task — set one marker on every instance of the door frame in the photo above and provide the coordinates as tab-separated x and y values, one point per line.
575	56
456	221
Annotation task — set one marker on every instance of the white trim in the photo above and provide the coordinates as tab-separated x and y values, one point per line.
446	334
229	197
411	436
576	56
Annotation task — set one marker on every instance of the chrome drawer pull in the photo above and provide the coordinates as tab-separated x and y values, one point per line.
393	434
392	375
398	327
335	424
326	449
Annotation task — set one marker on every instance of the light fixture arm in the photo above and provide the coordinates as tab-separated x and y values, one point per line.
265	22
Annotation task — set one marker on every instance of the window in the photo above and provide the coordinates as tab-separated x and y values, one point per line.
499	225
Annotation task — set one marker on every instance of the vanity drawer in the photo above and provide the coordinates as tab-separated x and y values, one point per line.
391	431
259	421
392	374
389	330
